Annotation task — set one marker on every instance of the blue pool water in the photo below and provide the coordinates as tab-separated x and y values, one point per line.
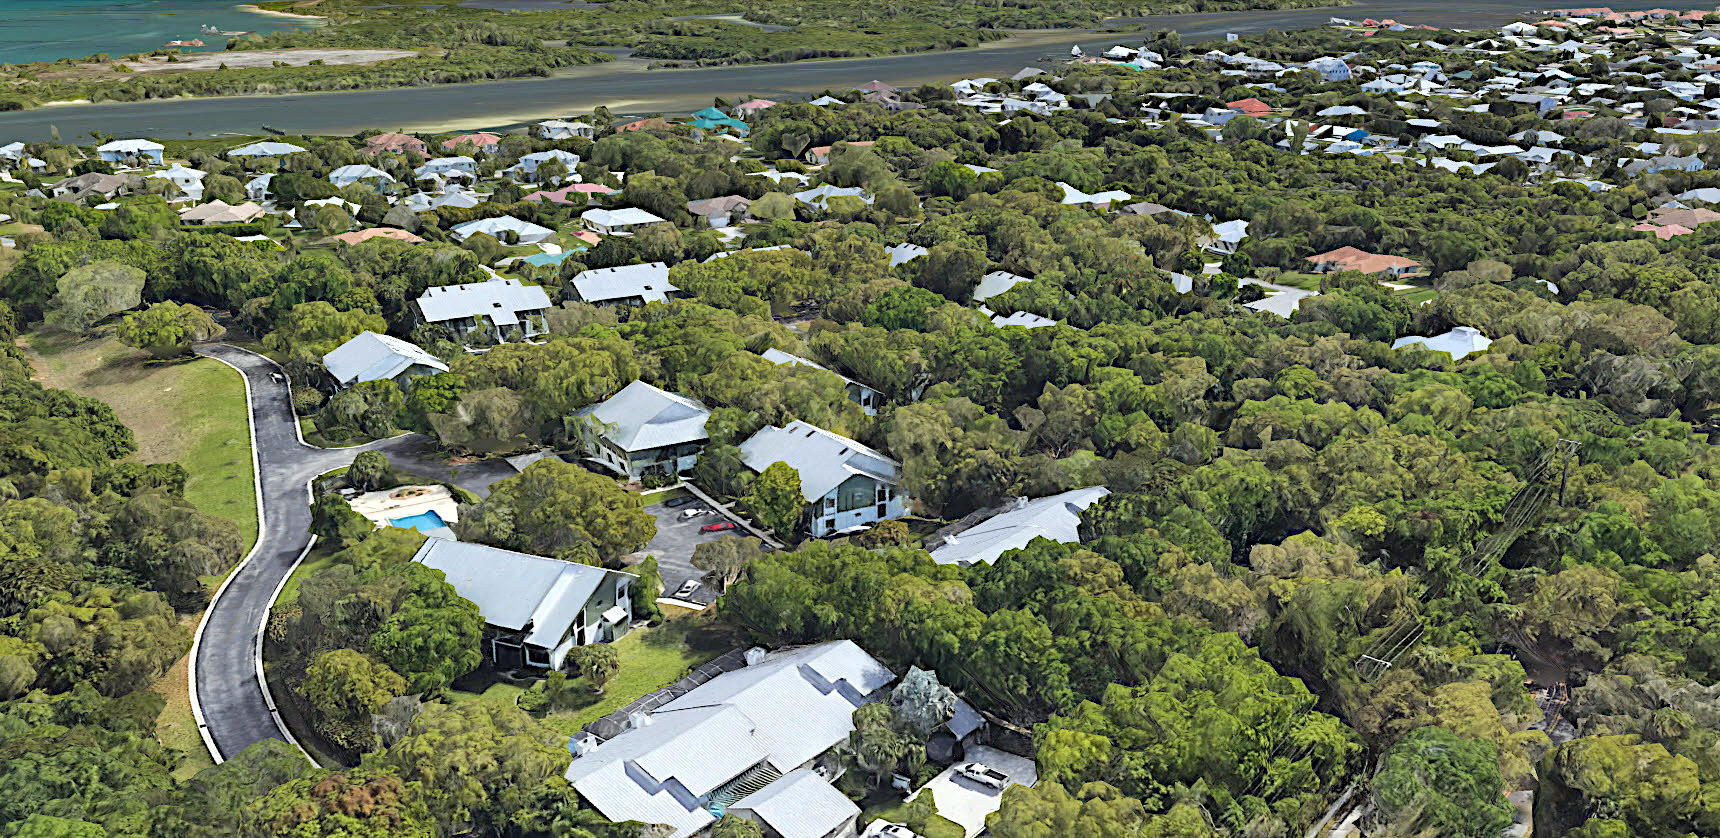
422	522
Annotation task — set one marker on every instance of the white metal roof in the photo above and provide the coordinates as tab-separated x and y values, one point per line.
783	711
648	281
131	146
1458	343
513	589
642	417
1057	517
264	149
905	252
822	458
526	230
800	805
358	171
624	217
373	357
995	283
501	300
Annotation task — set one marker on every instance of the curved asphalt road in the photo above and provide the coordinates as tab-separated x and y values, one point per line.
626	88
226	685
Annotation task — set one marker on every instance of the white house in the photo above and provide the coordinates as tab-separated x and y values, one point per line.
1459	343
131	152
1330	69
868	399
535	610
905	252
1057	517
995	283
629	285
643	430
257	188
557	129
728	743
189	181
446	167
348	175
524	232
618	222
819	196
502	304
845	484
265	149
529	163
375	357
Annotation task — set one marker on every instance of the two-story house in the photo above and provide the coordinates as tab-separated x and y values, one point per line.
868	398
643	430
503	305
535	609
373	357
845	484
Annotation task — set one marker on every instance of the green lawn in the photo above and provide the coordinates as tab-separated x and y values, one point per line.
938	827
320	557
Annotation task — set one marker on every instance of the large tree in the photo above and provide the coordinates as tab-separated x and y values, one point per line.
90	293
774	499
1435	781
167	329
557	509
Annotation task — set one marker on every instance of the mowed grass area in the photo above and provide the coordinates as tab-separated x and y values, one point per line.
651	659
192	412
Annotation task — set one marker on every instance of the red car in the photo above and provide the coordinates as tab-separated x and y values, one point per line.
719	526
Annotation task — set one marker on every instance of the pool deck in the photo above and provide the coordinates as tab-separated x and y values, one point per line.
381	507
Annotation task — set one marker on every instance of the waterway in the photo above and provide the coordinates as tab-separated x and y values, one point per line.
627	87
45	30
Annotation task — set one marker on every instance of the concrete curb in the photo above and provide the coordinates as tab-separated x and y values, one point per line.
262	531
297	431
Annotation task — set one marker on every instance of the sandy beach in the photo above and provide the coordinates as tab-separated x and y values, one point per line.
257	10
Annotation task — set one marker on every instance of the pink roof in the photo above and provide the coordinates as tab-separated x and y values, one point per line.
559	196
754	105
1250	106
479	140
357	236
1663	233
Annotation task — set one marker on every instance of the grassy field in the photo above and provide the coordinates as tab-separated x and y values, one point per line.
190	412
651	658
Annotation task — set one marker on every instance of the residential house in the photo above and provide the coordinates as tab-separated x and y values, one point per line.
1228	236
529	163
1057	518
820	154
556	129
735	737
131	152
356	172
752	108
443	168
358	236
846	485
265	149
573	193
995	283
80	188
485	142
503	228
370	356
1024	319
503	305
1352	259
1330	69
819	197
800	805
643	431
905	252
1459	343
220	212
189	181
722	211
395	144
14	156
535	610
651	123
625	285
618	222
868	399
450	195
257	188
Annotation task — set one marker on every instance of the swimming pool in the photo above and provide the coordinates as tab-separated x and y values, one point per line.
422	522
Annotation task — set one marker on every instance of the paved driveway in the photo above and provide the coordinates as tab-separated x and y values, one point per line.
674	543
967	802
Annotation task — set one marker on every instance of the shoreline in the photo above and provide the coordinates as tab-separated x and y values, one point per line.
258	10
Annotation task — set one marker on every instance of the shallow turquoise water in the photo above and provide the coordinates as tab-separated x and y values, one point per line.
43	30
422	522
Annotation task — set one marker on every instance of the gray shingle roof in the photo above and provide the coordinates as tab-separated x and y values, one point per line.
1057	517
501	300
822	458
800	805
512	589
642	417
374	357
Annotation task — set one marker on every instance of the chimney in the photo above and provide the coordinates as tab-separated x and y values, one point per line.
584	745
638	719
755	656
1021	503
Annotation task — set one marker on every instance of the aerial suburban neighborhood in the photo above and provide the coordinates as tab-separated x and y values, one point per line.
1298	431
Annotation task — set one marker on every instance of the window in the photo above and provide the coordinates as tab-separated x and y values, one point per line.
829	505
854	493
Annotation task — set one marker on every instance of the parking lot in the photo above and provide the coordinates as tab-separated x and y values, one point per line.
967	802
673	546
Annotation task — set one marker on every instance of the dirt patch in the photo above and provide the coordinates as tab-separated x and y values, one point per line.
145	396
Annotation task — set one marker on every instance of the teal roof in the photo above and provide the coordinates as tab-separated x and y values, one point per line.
710	113
543	259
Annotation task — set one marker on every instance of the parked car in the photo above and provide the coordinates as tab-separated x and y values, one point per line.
720	526
694	513
896	830
683	500
687	588
988	777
